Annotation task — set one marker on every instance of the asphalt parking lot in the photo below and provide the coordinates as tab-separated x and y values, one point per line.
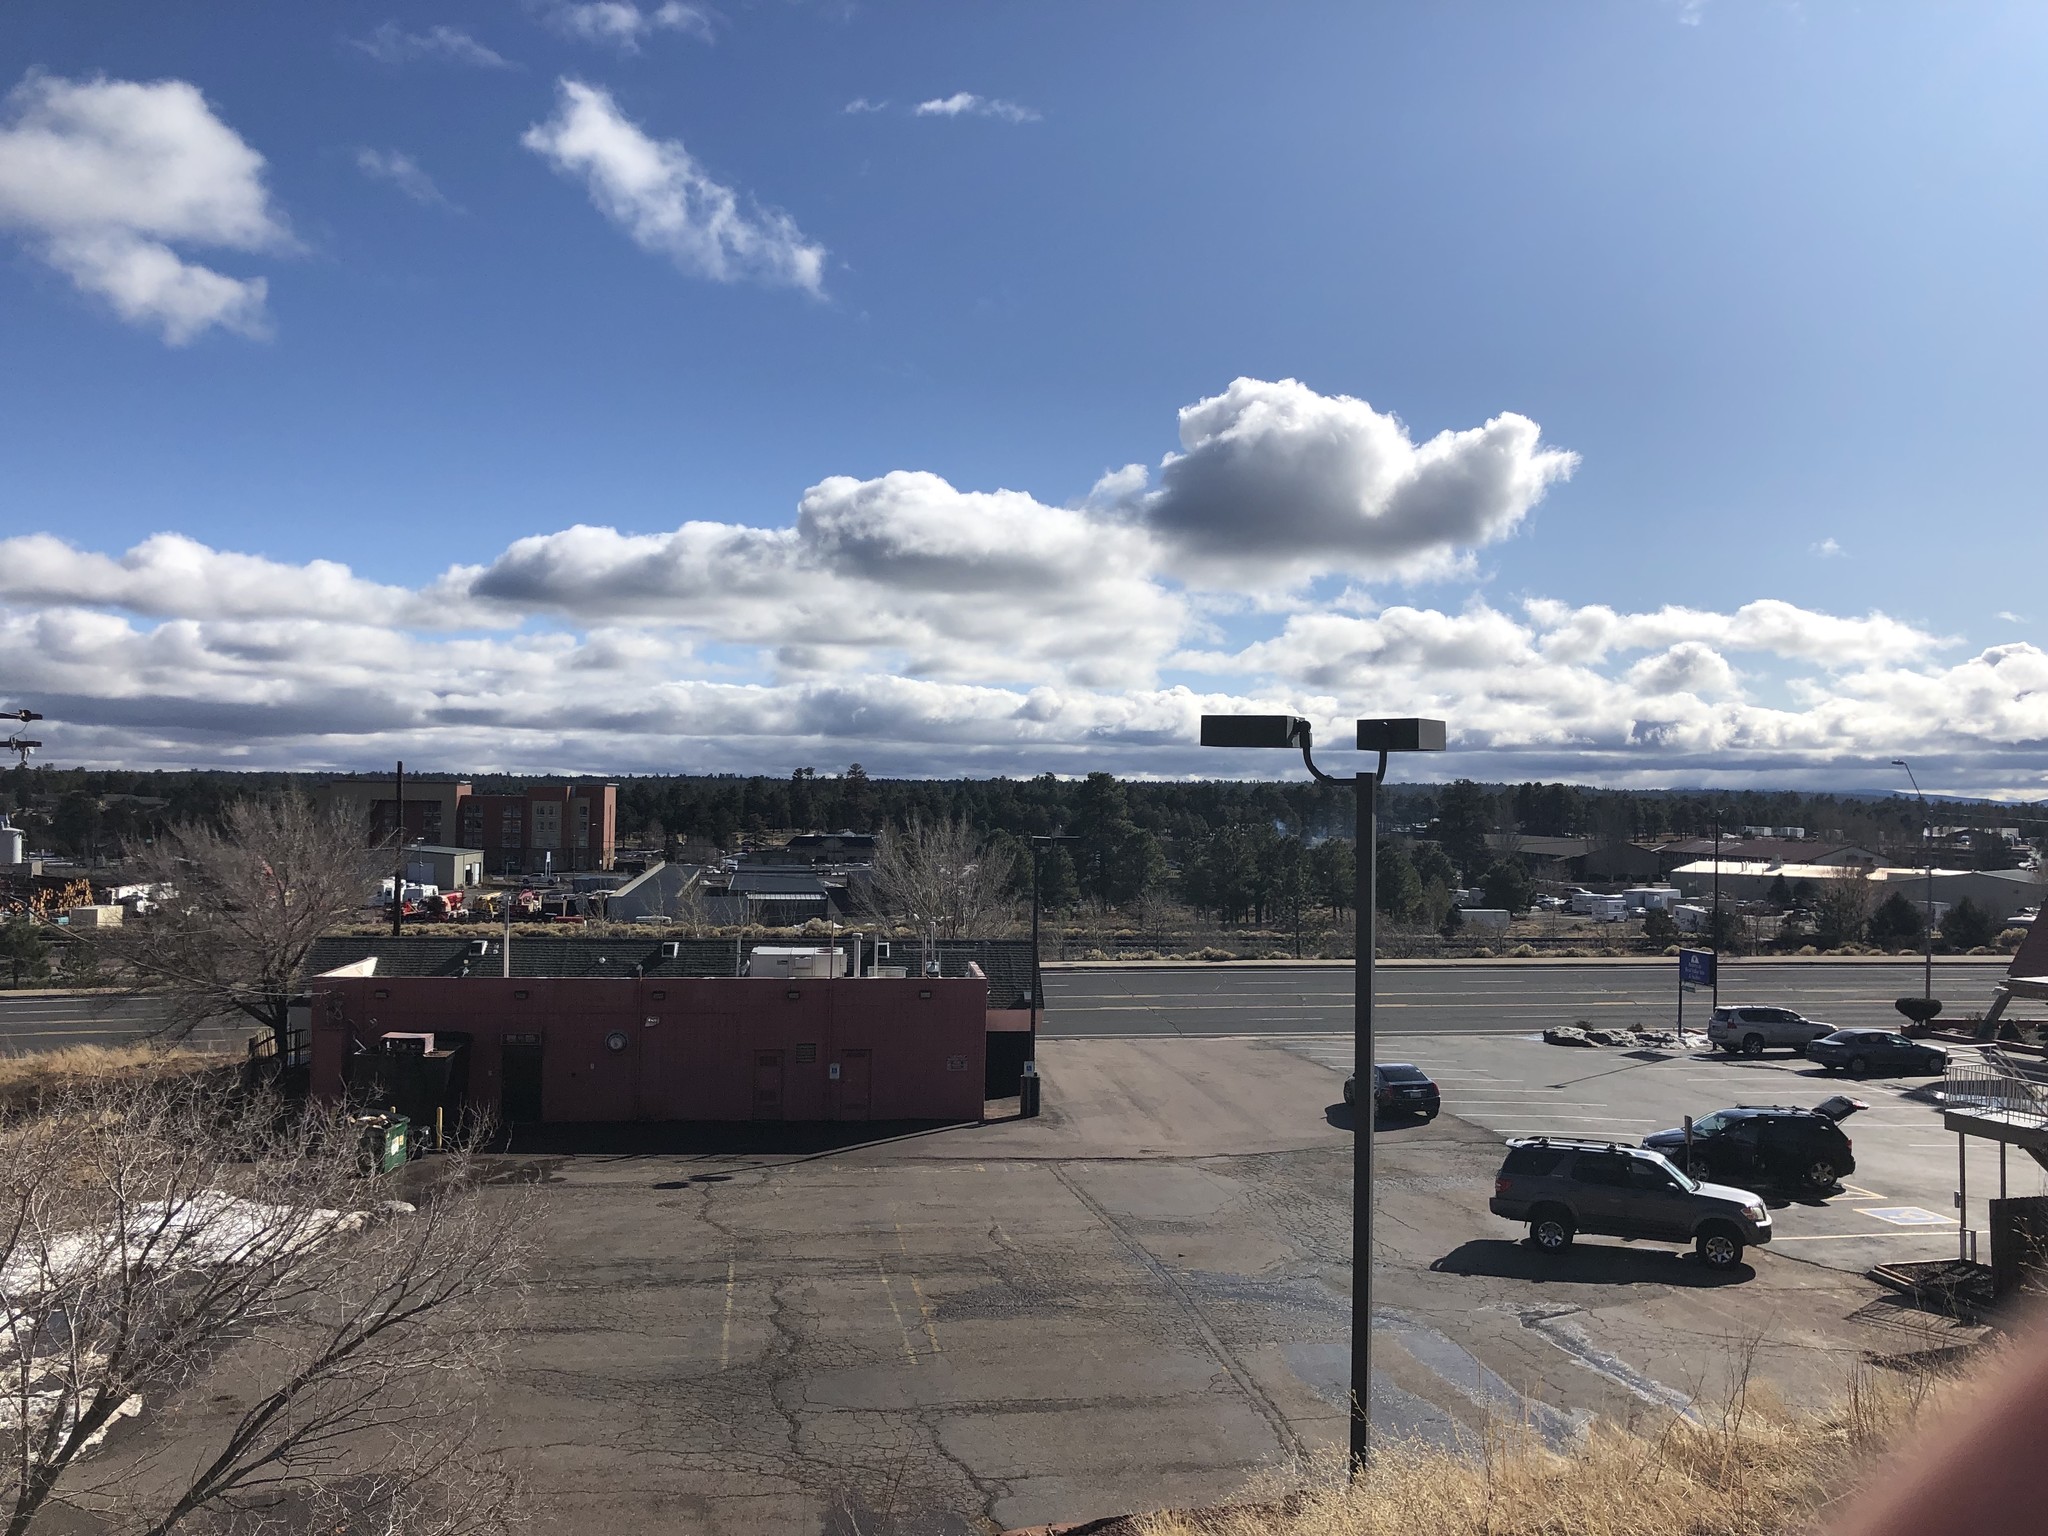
1899	1203
1138	1300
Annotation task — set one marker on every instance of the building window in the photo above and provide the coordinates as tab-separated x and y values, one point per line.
472	826
511	832
547	826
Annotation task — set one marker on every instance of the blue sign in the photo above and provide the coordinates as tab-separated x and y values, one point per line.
1696	967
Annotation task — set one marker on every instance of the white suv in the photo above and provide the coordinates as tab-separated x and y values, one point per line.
1751	1030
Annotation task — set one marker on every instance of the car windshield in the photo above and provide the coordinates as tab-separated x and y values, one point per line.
1684	1180
1707	1125
1399	1072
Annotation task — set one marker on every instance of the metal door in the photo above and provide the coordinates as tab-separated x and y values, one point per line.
519	1084
767	1085
853	1093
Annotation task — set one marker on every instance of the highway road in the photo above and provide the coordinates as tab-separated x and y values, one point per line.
1482	999
49	1021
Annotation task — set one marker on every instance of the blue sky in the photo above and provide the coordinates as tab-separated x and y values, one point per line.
1764	282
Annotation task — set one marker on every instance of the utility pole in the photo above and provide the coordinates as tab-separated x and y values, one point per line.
398	874
1927	863
1714	937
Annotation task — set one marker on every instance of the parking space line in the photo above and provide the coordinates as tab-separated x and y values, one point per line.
889	1291
1831	1237
725	1333
924	1312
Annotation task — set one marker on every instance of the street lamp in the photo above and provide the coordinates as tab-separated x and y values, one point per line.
1383	737
1927	861
18	744
1027	1101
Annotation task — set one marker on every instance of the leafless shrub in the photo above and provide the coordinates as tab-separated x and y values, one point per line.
169	1246
239	908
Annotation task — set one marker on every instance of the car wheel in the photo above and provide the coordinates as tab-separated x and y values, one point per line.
1752	1045
1859	1066
1819	1174
1719	1248
1551	1231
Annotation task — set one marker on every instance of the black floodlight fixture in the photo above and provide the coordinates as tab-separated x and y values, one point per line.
1401	736
1283	731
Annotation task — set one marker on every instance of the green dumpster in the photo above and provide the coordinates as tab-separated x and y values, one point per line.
387	1142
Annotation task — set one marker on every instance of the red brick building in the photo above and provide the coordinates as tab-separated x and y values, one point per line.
535	829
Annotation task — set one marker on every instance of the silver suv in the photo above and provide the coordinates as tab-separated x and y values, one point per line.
1564	1187
1751	1030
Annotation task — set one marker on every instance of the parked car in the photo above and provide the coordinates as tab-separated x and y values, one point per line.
1399	1088
1753	1030
1563	1187
1860	1052
1767	1144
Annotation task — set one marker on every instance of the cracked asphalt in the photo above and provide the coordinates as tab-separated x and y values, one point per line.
1140	1299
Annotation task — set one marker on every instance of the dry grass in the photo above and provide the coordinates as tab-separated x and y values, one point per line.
78	1065
1756	1469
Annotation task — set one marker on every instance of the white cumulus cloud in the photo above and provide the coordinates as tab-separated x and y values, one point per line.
655	190
920	627
1275	482
103	178
967	104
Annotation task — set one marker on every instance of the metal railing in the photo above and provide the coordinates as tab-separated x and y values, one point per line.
1988	1090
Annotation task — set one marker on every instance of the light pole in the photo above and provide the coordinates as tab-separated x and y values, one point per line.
1039	843
1927	862
1383	737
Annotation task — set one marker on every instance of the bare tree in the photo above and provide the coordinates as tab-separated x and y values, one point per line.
942	876
166	1247
239	907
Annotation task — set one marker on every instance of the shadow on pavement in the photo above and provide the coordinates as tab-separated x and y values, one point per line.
1345	1118
1586	1264
748	1138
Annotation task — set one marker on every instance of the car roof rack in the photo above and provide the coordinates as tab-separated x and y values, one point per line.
1573	1141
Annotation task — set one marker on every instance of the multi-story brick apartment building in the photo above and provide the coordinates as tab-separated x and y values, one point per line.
533	829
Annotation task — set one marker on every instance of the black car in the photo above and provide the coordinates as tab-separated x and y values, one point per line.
1860	1052
1753	1145
1399	1088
